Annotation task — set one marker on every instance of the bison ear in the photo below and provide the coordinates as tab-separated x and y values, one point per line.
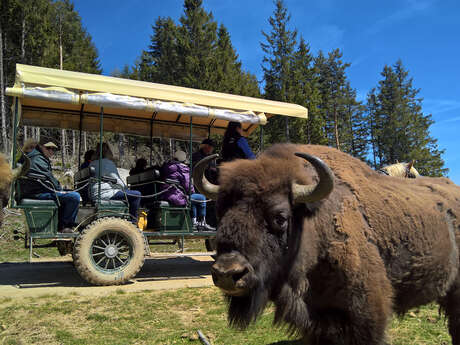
410	165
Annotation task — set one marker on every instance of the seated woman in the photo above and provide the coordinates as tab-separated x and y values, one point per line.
177	170
235	145
87	159
111	191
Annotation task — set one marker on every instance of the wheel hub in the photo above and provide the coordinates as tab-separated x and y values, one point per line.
111	251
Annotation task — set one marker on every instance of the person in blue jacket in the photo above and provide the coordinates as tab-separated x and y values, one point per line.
235	146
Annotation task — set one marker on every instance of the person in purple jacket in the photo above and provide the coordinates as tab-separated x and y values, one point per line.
235	145
177	170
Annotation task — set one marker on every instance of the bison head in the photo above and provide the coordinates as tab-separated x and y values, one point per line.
261	205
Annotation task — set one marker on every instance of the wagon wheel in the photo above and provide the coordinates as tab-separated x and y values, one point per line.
110	251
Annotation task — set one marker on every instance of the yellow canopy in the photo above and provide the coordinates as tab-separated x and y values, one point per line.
64	99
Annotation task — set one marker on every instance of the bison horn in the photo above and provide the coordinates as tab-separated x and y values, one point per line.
205	187
312	193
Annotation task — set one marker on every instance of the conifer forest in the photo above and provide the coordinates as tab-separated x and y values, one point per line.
197	52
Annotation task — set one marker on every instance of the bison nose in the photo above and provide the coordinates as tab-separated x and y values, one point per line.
231	273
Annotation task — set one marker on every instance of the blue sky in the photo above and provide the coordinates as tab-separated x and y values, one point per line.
423	33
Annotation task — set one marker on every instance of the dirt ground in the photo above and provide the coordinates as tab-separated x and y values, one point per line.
59	277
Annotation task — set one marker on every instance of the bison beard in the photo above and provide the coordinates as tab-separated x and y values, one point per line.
335	268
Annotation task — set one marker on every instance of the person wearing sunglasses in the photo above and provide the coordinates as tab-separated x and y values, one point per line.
50	188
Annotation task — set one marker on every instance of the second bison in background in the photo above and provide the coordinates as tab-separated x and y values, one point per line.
336	246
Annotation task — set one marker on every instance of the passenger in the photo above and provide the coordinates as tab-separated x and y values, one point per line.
88	159
206	149
177	170
29	145
40	165
111	191
141	164
235	145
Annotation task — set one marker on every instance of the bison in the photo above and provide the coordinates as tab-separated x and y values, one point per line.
405	170
335	245
6	177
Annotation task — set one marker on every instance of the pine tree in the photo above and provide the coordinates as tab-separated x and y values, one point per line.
279	53
194	54
355	131
305	82
332	85
159	64
400	130
196	42
31	32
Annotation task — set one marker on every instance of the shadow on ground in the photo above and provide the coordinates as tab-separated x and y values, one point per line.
288	342
63	274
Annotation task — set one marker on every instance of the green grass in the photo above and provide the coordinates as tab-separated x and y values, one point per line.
167	317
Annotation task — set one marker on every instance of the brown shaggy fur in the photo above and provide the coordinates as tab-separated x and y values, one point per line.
6	177
376	245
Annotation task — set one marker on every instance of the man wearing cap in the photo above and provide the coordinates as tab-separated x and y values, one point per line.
50	189
206	149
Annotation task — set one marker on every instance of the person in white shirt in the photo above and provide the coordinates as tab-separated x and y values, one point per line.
110	191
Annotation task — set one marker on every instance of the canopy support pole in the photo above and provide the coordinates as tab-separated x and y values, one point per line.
15	130
80	126
101	132
13	153
190	158
151	135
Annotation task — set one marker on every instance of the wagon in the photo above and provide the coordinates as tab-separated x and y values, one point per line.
107	248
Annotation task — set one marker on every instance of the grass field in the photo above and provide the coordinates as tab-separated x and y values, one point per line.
168	317
158	317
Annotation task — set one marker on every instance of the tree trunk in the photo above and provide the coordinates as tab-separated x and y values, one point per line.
287	128
63	145
336	128
2	95
121	151
23	39
74	146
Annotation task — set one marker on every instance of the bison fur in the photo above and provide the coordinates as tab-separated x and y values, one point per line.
338	268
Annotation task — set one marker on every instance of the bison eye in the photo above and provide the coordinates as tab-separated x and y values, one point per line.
280	222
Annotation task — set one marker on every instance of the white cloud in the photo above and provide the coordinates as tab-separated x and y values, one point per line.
412	8
438	106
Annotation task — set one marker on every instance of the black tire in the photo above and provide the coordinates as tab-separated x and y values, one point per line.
210	244
109	251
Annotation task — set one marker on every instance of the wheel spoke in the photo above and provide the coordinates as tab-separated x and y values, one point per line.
108	238
105	244
98	247
120	243
97	254
115	236
122	262
97	263
106	264
113	263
